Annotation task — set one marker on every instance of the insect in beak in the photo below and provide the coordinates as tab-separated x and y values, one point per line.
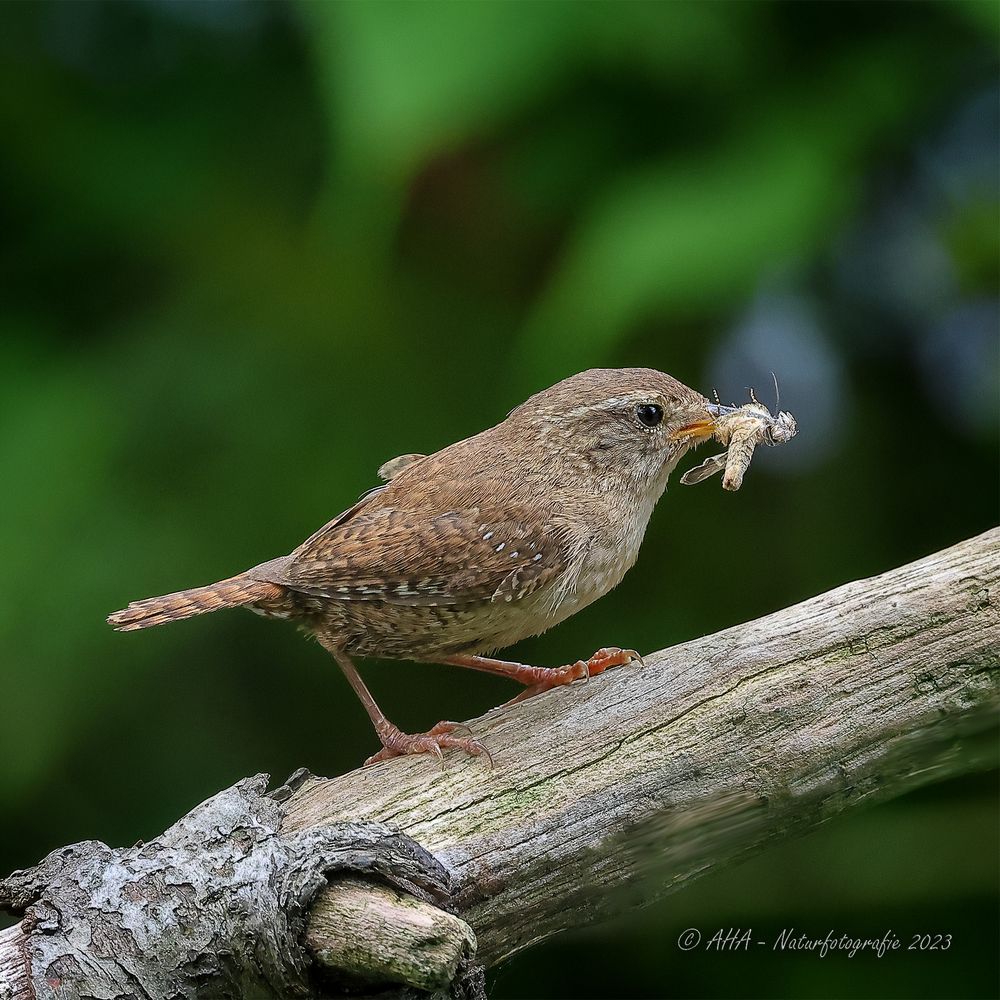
718	410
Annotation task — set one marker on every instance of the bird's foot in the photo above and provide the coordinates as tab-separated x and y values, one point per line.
396	743
603	659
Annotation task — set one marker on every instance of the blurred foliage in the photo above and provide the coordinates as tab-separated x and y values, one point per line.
252	250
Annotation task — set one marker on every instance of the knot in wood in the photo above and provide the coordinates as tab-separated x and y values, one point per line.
215	906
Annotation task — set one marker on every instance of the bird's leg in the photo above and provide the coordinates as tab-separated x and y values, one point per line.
538	679
396	743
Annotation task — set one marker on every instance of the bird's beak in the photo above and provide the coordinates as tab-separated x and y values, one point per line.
695	433
699	429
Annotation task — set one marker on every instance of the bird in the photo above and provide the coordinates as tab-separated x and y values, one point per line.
466	551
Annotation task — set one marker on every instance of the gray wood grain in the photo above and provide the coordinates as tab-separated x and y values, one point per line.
610	793
603	796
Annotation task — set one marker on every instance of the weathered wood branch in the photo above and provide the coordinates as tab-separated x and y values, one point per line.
603	796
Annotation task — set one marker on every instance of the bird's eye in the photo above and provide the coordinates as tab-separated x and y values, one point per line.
649	414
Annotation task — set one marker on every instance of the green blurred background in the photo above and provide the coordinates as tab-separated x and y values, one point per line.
250	251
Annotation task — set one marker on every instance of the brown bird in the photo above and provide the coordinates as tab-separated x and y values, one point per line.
482	544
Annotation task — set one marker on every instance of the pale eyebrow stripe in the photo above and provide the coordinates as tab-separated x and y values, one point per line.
613	403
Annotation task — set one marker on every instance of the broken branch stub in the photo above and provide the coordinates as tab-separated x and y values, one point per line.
215	906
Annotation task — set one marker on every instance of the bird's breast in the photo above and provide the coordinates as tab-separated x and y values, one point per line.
607	562
605	554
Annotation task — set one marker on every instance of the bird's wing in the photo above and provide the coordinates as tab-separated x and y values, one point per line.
395	466
406	556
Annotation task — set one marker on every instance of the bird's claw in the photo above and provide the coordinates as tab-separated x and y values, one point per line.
612	656
398	744
582	670
446	727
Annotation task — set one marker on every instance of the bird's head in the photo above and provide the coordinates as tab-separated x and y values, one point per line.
613	425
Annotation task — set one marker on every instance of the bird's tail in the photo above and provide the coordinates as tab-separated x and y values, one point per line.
232	593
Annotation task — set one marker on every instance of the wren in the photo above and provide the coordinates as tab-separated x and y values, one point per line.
482	544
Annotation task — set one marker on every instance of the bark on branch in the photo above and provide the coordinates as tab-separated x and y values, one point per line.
603	796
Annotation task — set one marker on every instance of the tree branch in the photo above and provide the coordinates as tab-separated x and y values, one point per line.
610	793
